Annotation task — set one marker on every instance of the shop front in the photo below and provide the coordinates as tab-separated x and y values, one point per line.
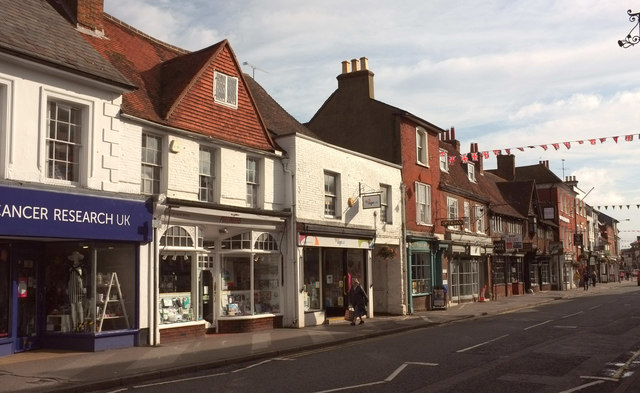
218	272
426	272
329	264
69	270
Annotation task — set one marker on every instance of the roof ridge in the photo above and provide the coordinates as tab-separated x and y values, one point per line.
145	35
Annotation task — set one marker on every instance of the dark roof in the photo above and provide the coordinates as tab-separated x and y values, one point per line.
34	30
277	119
538	172
518	193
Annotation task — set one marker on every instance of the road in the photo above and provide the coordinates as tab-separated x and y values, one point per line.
587	344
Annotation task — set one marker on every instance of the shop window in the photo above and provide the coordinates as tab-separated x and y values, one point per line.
73	304
464	279
4	290
176	295
176	236
534	277
266	242
238	242
545	275
311	288
244	293
498	271
420	273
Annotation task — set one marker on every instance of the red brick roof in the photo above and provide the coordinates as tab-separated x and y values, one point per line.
175	86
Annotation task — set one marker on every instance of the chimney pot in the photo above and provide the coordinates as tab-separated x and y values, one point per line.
364	63
453	133
355	66
346	67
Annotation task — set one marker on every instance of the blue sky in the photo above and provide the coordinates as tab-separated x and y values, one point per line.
505	74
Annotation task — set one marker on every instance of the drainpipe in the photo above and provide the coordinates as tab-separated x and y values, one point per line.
291	195
404	253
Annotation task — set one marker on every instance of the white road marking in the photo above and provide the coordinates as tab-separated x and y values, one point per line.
586	385
574	314
600	378
481	344
540	324
594	307
566	326
388	379
178	380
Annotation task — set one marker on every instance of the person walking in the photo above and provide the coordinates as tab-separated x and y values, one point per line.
585	279
593	278
358	299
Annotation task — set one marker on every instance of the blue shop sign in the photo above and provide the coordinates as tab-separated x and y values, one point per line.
28	212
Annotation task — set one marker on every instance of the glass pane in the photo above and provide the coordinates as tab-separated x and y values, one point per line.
232	85
236	285
311	284
267	283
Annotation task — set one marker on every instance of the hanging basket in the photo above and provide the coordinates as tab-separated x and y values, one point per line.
387	252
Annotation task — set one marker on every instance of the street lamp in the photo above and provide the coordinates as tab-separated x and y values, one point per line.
630	39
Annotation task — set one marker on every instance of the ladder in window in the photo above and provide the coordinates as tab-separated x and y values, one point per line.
112	296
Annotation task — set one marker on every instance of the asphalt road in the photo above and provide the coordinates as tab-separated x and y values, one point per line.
586	344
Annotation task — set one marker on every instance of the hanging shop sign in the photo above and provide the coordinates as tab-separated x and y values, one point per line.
28	212
371	201
451	223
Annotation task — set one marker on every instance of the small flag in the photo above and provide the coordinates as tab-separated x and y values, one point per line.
567	145
544	147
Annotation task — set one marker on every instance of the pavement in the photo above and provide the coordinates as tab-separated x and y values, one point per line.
47	370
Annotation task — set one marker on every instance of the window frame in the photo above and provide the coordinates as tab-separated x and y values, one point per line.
427	219
156	166
453	210
220	77
332	195
478	213
385	202
211	178
86	110
444	160
467	215
471	172
253	198
422	147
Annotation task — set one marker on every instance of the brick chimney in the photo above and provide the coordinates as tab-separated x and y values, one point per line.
356	79
480	162
87	14
544	163
506	166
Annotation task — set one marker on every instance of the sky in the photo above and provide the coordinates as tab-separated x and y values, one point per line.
507	74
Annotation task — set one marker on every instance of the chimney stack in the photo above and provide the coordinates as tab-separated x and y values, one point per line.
506	166
356	80
86	14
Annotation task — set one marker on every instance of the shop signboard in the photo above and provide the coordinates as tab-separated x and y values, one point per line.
41	213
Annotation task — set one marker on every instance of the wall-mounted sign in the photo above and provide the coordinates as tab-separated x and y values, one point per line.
498	246
513	241
548	213
371	201
29	212
451	223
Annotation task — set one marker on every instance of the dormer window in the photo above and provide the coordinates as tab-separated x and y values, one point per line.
444	161
471	172
225	89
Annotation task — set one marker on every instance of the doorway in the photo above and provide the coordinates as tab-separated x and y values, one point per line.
27	296
339	267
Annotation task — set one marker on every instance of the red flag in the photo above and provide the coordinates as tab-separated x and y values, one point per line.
485	154
474	156
443	153
628	138
568	145
544	146
592	141
508	151
463	158
580	142
556	146
602	140
521	148
496	152
615	139
452	160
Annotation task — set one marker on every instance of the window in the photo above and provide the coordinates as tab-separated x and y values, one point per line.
479	217
385	201
423	204
63	141
207	174
444	161
253	182
452	210
176	236
312	279
496	224
420	273
151	164
330	194
467	216
471	172
421	146
225	89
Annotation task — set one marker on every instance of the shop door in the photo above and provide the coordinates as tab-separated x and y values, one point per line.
334	283
28	305
207	296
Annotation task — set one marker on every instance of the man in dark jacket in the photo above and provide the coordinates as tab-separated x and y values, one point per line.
358	299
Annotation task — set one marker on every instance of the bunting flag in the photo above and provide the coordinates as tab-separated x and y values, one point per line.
486	154
452	160
443	153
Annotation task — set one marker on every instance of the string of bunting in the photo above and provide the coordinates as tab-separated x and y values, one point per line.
474	156
613	207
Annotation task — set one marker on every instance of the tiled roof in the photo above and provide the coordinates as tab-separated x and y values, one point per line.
34	30
277	119
538	172
175	86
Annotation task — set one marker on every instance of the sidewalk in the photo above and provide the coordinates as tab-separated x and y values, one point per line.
63	371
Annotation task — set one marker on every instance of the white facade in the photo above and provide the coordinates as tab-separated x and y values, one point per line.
356	175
